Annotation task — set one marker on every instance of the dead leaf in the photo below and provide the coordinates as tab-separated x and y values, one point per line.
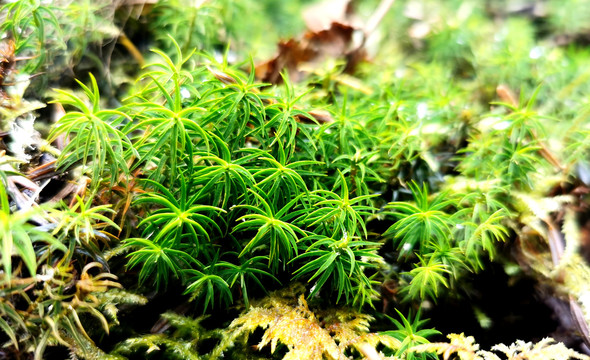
314	47
321	116
320	16
331	28
221	76
7	60
506	95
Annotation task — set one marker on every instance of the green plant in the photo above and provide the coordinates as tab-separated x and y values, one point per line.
31	24
359	168
175	232
338	215
96	138
482	233
166	128
283	179
410	333
223	176
278	235
427	277
284	123
400	174
518	162
207	285
84	222
238	102
18	236
343	263
422	224
246	272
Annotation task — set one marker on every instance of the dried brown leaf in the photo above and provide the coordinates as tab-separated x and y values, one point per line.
313	47
320	16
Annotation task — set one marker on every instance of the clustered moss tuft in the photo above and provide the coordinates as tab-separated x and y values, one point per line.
203	182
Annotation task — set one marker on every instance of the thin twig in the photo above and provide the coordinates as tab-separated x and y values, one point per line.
579	320
135	53
377	17
557	248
